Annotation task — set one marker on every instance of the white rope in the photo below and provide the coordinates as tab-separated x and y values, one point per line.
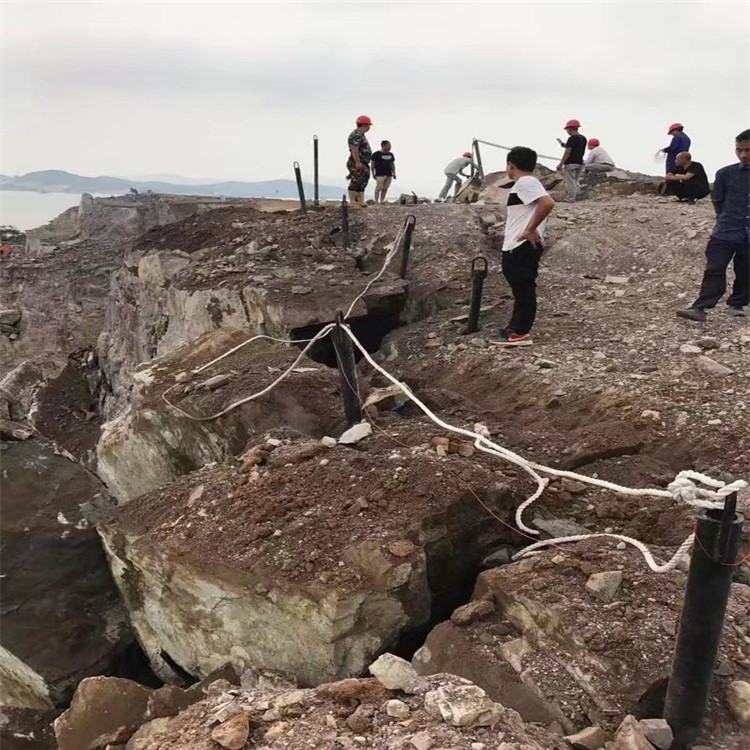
245	343
388	258
322	333
683	490
671	564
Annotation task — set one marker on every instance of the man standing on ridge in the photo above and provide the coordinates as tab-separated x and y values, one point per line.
680	142
529	205
689	182
383	170
452	172
730	239
571	162
358	162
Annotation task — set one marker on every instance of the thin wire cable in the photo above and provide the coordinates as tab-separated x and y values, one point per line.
508	148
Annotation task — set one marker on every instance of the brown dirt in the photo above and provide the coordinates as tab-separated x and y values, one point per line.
301	518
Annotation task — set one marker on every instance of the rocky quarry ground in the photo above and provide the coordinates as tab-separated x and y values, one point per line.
186	571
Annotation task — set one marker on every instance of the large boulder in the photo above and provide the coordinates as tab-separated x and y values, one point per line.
62	619
311	566
101	707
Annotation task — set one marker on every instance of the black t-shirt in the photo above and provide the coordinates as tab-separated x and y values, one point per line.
699	174
577	145
383	162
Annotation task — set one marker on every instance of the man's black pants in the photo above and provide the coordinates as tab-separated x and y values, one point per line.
718	255
685	190
520	268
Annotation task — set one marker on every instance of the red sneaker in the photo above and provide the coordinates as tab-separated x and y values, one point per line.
511	338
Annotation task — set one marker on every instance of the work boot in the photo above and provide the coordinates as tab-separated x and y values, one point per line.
693	313
736	311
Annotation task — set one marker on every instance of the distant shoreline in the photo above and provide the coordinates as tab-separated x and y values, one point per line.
61	182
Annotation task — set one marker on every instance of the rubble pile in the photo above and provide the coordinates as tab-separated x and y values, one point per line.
393	712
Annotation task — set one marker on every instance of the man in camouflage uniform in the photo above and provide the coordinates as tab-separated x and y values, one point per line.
358	163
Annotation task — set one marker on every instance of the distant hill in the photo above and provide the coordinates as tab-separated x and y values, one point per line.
59	181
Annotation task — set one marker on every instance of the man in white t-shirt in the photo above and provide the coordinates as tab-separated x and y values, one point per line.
529	205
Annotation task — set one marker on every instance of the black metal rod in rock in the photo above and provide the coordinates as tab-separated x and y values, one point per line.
316	186
478	156
709	581
345	221
347	365
411	222
478	275
300	187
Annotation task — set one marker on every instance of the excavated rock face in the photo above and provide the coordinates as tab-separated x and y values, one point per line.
447	712
276	275
311	565
62	619
554	649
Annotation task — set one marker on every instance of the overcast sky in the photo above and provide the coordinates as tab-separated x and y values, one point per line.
236	90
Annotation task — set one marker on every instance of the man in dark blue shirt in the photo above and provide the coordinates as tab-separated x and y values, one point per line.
730	239
680	142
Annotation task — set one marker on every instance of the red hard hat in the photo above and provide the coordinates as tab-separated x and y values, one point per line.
674	126
468	154
572	124
593	142
363	120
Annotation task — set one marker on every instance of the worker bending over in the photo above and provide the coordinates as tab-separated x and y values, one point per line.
452	172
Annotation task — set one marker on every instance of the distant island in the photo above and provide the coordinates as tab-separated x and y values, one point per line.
59	181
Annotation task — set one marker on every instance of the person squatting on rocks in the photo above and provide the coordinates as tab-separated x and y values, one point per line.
358	162
571	162
730	238
680	142
529	205
383	170
452	172
597	159
689	181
